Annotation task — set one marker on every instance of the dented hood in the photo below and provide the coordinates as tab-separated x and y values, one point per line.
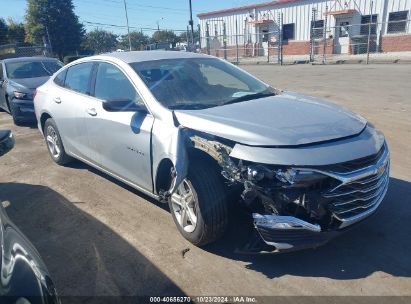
287	119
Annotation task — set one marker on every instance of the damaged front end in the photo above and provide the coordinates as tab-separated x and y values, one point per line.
286	205
297	207
302	207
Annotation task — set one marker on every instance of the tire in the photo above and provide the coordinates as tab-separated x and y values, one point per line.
53	141
210	204
16	121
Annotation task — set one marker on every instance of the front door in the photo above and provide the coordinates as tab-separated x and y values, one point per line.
342	35
119	140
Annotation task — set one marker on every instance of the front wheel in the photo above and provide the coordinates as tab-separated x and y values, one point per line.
16	120
199	205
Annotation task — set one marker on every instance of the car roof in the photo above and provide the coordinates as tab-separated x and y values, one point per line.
23	59
139	56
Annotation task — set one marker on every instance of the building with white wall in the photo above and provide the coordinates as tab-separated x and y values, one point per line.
342	25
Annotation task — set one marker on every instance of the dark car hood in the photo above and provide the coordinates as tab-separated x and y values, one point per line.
287	119
29	83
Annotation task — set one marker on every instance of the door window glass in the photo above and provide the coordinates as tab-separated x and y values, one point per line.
60	78
78	77
112	84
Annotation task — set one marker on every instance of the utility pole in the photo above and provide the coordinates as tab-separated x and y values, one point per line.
128	27
191	23
158	23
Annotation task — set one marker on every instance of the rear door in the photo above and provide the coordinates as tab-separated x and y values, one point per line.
67	104
120	140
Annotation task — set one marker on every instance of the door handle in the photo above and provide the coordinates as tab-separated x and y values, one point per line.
92	112
57	100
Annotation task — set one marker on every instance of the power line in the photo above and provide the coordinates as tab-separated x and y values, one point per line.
136	7
124	26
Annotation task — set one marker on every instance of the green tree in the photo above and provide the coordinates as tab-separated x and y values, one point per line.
15	31
55	19
138	41
3	32
100	41
165	36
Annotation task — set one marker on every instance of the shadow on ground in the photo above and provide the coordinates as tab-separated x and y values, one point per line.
381	243
82	252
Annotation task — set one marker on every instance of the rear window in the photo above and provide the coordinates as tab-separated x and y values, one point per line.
32	69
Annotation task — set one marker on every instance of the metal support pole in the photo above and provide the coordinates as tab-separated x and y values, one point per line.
236	39
199	37
225	41
191	23
268	45
188	44
280	38
313	22
128	27
208	38
369	34
325	34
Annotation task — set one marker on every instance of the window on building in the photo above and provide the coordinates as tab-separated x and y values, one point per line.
317	29
397	22
366	20
288	31
344	29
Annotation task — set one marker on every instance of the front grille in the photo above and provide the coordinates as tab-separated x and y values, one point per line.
359	192
356	164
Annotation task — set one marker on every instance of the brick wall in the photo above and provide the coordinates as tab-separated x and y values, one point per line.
296	47
396	43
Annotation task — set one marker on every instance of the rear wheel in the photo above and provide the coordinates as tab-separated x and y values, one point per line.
54	143
199	205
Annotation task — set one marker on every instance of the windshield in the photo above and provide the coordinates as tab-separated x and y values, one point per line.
197	83
32	69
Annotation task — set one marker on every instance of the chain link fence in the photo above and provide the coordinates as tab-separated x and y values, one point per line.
16	50
243	45
271	41
363	42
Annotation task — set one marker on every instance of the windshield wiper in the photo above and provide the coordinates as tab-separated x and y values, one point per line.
191	106
249	97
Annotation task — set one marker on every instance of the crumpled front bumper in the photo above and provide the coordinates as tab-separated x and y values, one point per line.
287	233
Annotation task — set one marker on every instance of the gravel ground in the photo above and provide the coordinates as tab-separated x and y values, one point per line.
99	237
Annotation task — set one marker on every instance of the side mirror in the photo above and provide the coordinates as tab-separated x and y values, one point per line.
123	105
6	142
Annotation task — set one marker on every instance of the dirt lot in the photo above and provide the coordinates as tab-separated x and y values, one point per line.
99	237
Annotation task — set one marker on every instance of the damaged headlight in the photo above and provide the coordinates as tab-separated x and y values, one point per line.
293	176
259	172
287	176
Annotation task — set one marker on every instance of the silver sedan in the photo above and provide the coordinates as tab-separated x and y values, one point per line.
206	137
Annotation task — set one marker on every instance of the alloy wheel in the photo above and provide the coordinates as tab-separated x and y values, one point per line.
53	142
183	203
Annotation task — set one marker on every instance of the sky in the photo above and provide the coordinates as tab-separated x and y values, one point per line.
169	14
